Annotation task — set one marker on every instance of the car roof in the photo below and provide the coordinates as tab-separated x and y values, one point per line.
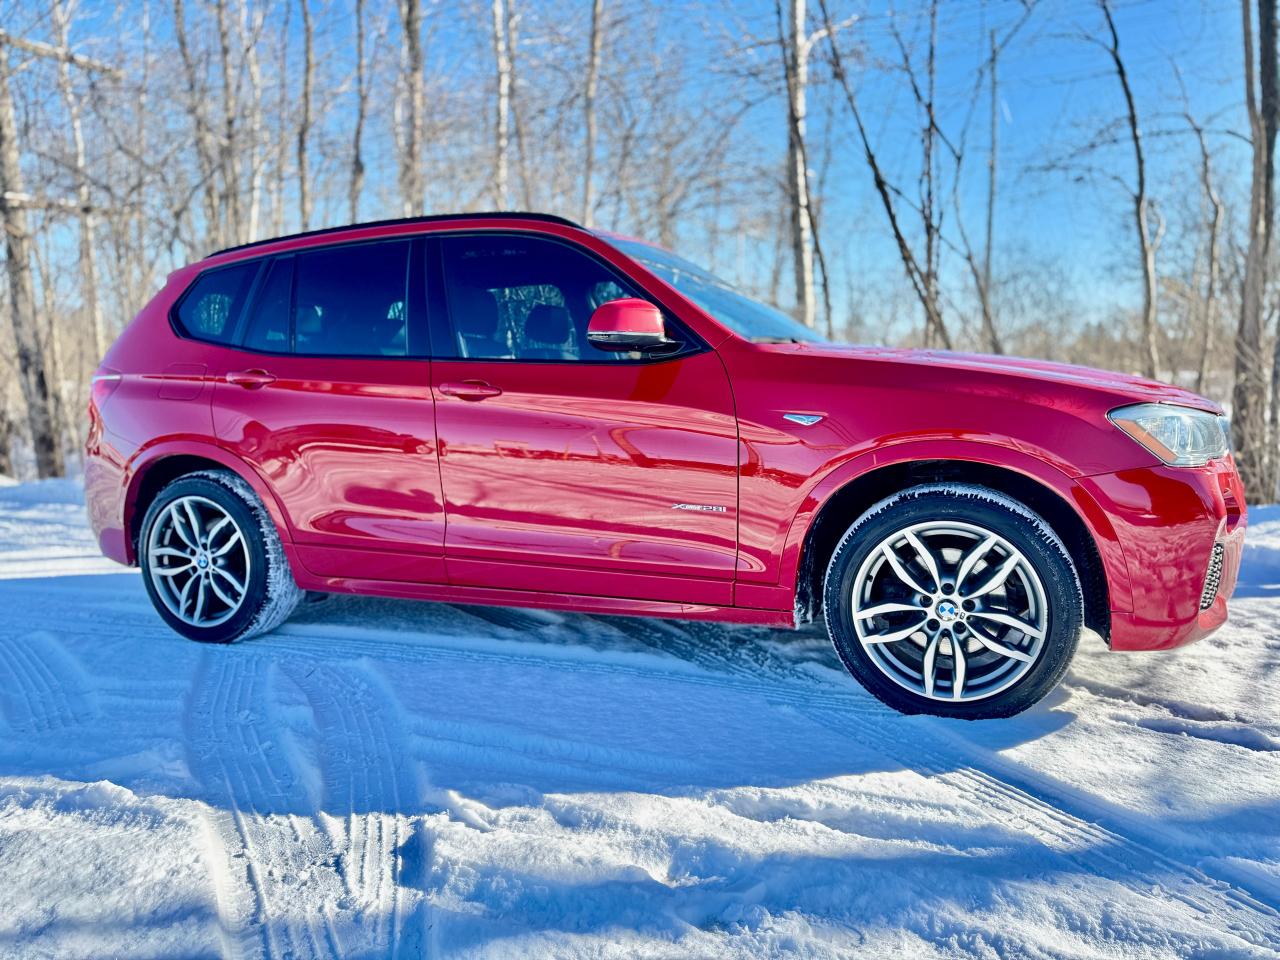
403	221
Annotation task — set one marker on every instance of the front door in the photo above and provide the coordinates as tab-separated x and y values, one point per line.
325	399
566	468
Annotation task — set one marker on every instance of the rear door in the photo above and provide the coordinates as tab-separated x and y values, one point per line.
566	468
329	398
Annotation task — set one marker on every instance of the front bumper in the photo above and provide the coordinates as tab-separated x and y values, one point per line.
1167	522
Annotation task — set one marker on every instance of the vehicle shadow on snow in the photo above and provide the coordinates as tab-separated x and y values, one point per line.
380	705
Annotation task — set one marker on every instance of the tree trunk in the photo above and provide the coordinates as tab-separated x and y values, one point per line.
1217	211
304	121
32	375
229	149
517	121
502	115
922	279
411	183
88	252
281	141
204	143
1141	207
1249	409
988	307
6	442
253	219
589	112
795	57
362	106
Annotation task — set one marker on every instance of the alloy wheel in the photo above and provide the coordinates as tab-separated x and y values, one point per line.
198	560
950	610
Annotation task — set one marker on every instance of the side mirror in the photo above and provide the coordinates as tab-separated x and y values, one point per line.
625	325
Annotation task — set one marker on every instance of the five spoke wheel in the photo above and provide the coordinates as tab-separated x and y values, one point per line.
949	610
199	561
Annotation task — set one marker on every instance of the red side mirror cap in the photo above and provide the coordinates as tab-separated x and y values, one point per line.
627	324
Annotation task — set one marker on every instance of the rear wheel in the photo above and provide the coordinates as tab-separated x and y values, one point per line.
954	600
212	561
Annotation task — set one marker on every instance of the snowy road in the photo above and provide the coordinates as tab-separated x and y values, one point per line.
396	779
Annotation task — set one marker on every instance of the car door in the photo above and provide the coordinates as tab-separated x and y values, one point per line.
565	468
329	398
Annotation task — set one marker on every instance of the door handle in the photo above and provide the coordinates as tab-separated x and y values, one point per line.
250	379
470	390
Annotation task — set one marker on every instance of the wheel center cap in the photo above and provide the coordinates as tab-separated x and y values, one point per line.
202	561
947	611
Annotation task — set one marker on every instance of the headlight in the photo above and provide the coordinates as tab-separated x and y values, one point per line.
1180	436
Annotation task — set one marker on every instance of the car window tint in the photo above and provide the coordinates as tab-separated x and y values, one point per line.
525	298
210	308
269	319
350	301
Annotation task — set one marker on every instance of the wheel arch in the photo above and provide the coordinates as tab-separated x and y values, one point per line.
1081	524
160	465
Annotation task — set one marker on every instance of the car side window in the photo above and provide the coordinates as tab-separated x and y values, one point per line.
515	297
348	301
269	320
210	308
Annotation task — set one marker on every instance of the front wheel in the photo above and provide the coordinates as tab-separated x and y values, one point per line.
954	600
212	561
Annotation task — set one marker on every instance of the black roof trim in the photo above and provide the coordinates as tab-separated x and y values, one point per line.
433	218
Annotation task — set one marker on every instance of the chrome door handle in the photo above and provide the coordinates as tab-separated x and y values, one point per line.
470	390
251	379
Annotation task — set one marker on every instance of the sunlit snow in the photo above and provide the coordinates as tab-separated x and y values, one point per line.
380	778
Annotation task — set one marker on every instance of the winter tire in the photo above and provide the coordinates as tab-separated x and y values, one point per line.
212	561
953	600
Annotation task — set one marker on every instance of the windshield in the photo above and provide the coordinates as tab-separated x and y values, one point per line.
744	316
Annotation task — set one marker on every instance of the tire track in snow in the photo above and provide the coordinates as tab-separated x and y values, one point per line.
254	825
1094	839
368	780
1117	851
43	689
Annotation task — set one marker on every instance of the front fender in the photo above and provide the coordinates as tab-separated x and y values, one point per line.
841	473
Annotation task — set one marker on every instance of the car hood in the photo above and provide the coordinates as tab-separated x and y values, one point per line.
1123	386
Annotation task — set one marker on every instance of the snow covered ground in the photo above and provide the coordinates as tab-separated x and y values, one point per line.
396	779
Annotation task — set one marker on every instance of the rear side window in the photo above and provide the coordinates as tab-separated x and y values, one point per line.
341	301
269	323
209	309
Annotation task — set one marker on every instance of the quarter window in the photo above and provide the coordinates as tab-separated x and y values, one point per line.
212	305
525	298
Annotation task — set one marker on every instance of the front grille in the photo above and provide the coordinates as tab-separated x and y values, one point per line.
1212	578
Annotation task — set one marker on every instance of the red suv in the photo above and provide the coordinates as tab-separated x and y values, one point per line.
510	409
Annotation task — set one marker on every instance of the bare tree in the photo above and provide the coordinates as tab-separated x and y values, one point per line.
33	376
1217	210
793	42
921	272
412	192
517	114
589	112
1262	102
250	30
230	141
362	108
304	120
502	112
196	105
86	215
1147	243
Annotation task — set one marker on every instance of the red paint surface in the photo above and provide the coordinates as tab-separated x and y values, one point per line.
556	484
